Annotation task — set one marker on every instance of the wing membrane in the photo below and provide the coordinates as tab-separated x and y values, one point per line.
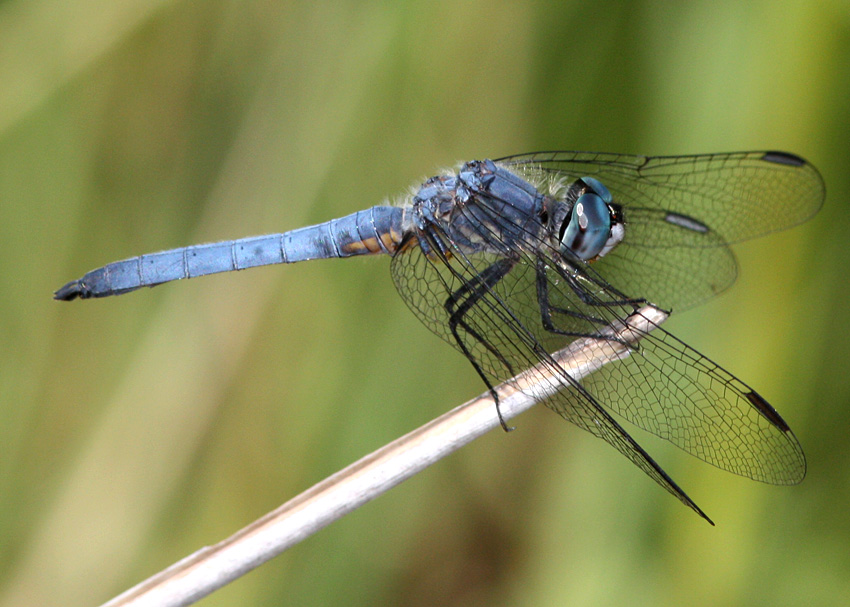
739	196
499	344
682	212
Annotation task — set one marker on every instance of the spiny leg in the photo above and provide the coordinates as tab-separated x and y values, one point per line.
547	308
572	279
460	302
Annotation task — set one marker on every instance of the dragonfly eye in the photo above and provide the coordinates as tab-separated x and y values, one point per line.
597	188
589	226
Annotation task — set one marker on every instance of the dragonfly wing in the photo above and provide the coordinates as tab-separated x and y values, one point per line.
502	339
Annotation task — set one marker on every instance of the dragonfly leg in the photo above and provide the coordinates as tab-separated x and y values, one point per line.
592	300
462	301
547	309
573	278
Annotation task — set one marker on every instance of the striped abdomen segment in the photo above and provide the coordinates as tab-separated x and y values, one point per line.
372	231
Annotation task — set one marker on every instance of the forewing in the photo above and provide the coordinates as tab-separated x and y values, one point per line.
681	212
739	196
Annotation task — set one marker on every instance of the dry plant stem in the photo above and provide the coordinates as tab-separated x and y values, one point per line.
212	567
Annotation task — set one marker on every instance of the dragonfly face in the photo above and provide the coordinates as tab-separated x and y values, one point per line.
595	225
511	259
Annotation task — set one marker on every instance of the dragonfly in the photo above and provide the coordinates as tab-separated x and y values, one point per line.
511	259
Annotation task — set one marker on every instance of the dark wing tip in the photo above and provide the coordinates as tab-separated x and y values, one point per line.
692	505
685	499
792	474
784	158
764	407
70	291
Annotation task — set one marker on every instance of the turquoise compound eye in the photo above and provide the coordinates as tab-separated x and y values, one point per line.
589	226
598	188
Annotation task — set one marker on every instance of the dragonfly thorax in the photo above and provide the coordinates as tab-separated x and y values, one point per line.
482	208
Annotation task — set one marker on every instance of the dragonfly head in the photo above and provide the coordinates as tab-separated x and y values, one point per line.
593	226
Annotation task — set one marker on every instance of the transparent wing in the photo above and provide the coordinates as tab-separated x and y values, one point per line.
681	212
673	391
497	342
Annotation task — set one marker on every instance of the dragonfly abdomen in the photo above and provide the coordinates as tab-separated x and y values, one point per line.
372	231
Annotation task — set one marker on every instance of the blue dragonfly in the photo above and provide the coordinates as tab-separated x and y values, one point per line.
511	259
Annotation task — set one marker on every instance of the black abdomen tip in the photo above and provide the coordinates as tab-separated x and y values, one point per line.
72	290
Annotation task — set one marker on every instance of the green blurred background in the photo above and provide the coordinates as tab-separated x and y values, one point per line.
137	429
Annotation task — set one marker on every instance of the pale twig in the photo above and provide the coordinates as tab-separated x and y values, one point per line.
212	567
